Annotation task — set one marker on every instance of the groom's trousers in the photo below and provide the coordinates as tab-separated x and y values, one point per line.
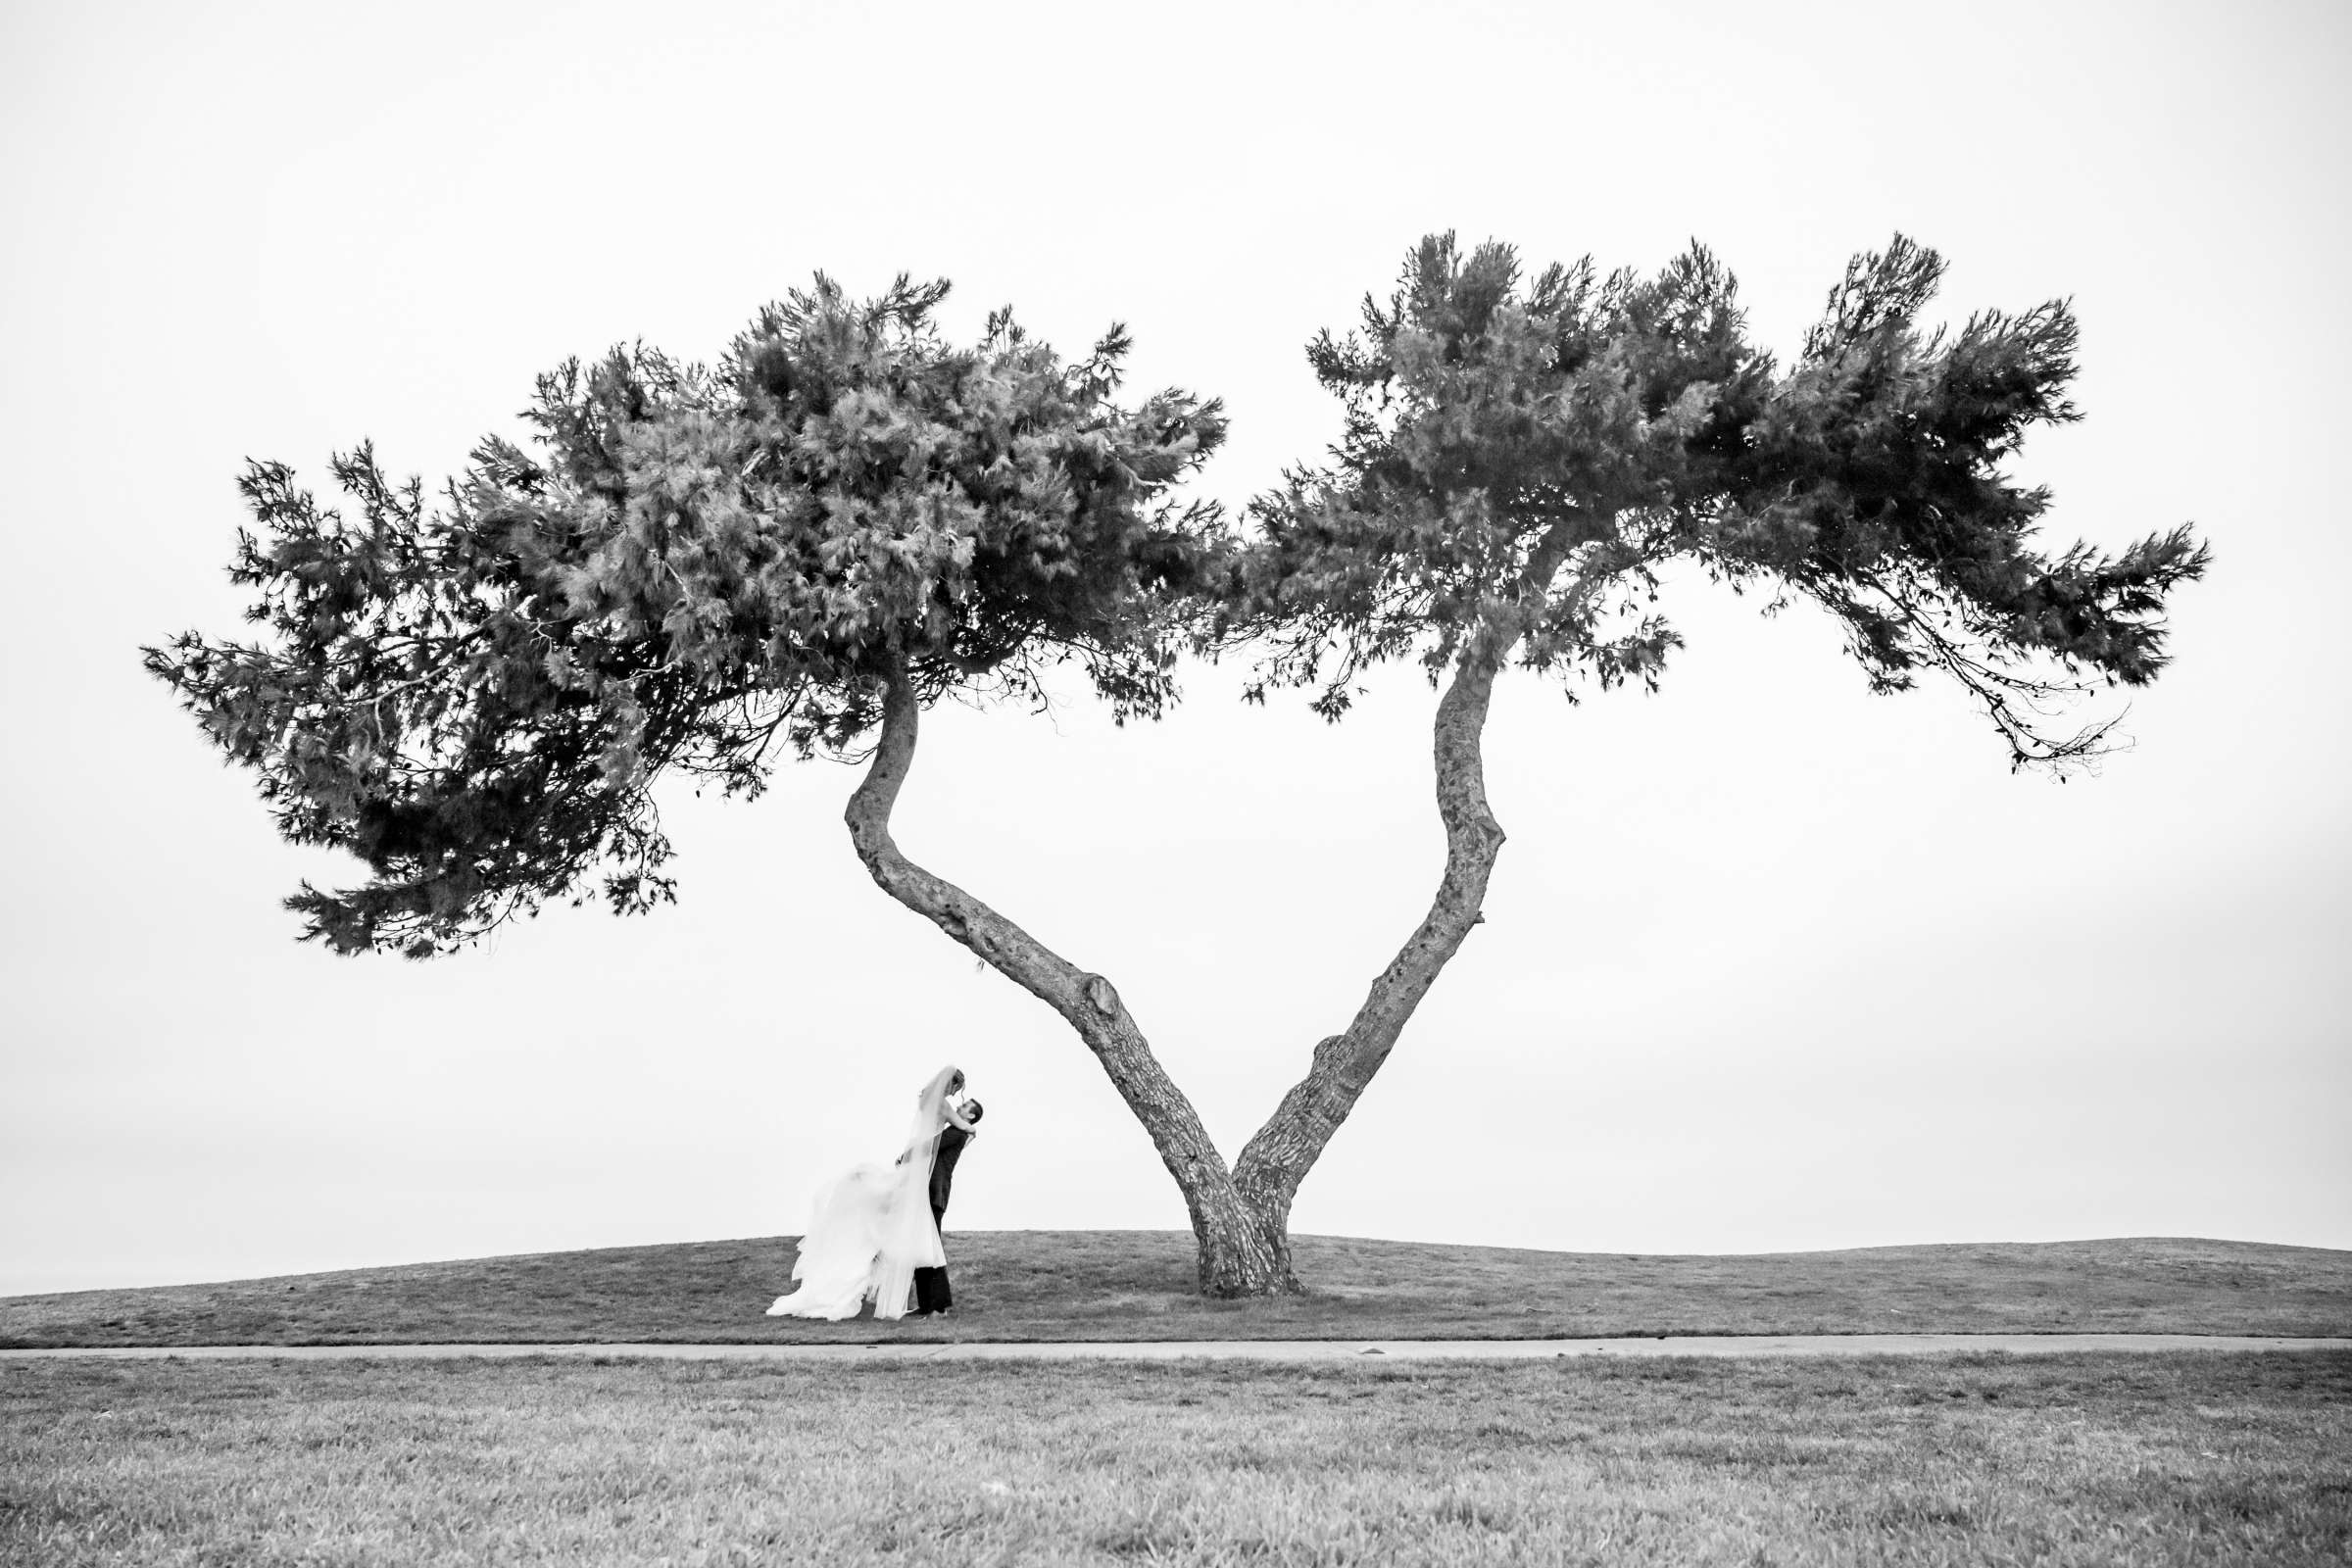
931	1291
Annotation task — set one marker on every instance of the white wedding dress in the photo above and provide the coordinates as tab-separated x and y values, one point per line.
869	1231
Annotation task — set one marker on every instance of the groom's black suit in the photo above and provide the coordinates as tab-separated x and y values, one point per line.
931	1291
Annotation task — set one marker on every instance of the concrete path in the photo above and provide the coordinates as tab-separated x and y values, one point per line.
1736	1346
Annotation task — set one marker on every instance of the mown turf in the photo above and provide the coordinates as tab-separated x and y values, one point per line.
2177	1459
1138	1285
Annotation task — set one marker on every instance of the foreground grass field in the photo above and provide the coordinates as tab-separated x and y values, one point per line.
1138	1285
2068	1459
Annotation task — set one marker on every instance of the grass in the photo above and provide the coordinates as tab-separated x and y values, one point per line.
1138	1285
2079	1458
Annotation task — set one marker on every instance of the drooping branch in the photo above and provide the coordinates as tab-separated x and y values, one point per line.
2019	706
1233	1259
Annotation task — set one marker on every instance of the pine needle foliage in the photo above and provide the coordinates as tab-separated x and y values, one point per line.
1522	456
687	572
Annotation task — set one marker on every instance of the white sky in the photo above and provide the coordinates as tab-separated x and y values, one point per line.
1769	963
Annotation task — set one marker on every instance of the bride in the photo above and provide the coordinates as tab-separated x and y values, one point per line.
869	1231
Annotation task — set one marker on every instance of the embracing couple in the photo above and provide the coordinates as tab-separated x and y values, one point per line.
874	1235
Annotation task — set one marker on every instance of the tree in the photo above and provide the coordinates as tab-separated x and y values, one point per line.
845	521
1519	462
850	519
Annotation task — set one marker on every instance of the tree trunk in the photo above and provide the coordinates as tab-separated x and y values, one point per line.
1278	1158
1239	1255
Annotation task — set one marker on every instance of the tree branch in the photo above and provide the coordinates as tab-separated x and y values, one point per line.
1286	1148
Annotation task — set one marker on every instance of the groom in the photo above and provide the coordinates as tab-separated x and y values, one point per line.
932	1296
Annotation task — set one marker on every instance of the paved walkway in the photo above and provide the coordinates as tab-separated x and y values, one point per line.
1735	1346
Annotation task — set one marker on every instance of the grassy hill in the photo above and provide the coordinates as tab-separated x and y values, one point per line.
1138	1285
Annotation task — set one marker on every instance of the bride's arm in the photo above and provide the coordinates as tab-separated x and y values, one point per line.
957	1116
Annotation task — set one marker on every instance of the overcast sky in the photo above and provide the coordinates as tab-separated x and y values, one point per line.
1768	964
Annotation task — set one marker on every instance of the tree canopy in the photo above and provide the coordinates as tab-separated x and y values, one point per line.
690	566
1522	456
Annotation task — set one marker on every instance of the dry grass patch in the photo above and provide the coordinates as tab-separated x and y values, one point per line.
2059	1459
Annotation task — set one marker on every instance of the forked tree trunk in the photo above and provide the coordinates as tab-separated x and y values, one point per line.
1240	1218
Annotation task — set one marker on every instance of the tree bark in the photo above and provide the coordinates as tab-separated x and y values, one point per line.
1239	1254
1284	1150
